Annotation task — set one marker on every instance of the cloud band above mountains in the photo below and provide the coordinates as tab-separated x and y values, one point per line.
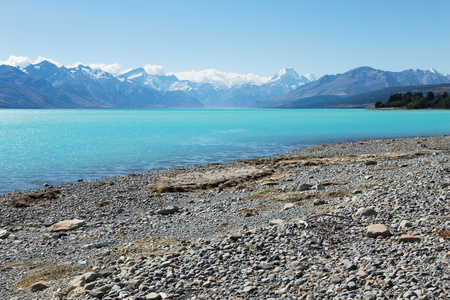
216	77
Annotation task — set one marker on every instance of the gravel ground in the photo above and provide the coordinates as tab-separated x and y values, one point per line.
203	232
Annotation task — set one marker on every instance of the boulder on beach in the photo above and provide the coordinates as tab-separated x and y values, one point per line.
67	225
169	210
376	230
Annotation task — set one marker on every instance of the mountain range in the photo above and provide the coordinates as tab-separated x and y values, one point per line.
46	85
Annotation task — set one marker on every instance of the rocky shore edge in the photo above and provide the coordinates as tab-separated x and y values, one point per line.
359	220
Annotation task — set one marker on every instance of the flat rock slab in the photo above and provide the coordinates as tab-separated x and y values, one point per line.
408	238
194	181
376	230
67	225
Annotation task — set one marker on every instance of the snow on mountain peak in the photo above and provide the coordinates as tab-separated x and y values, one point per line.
285	72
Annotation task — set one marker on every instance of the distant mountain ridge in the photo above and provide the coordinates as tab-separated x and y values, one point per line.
47	85
357	81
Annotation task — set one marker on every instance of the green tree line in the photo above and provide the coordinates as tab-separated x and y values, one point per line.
417	101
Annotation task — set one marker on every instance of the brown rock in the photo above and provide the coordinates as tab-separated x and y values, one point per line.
376	230
407	238
39	286
361	273
67	225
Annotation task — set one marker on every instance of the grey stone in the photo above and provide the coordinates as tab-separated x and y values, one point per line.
169	210
367	212
4	234
304	187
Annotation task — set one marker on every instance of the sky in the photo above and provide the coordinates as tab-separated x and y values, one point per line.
249	37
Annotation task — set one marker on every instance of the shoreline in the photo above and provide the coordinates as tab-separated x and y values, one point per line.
274	156
165	223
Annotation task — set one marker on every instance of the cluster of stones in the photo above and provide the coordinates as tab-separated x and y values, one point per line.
285	260
386	238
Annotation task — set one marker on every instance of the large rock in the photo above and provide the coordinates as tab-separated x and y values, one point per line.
376	230
67	225
169	210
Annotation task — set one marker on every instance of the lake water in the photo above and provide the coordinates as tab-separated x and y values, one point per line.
55	146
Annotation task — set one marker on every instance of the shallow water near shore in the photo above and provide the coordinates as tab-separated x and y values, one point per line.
55	146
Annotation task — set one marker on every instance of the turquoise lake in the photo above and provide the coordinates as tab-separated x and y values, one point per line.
57	146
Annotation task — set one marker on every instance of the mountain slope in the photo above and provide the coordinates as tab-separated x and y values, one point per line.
357	81
14	95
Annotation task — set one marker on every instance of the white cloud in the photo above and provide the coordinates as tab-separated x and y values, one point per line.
213	76
111	68
154	69
221	78
17	61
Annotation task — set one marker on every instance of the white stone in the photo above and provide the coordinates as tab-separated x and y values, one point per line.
67	225
276	222
288	206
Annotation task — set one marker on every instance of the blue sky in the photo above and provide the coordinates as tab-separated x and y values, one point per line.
261	37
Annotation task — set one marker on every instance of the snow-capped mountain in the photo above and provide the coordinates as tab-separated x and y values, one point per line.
218	94
356	81
48	84
290	79
285	81
104	89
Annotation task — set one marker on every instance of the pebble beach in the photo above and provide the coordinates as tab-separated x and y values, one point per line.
359	220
